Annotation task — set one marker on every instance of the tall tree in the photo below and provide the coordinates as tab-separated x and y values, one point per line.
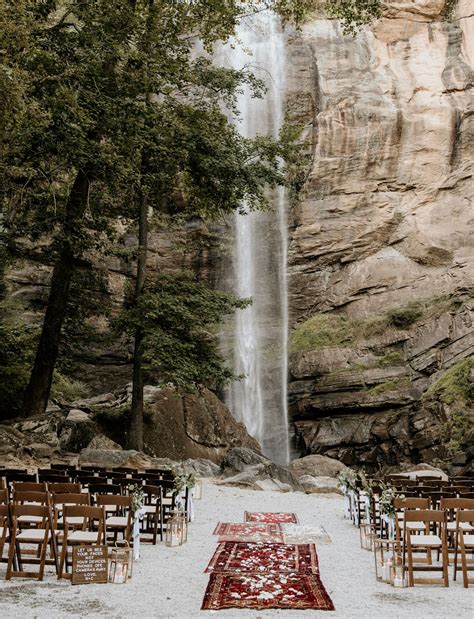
85	143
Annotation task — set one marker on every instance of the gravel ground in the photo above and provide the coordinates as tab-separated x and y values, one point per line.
169	582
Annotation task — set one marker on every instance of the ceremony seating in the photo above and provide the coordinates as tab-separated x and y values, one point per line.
465	543
426	541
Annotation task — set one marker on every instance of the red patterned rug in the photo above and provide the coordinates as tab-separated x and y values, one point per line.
261	591
249	532
272	517
261	557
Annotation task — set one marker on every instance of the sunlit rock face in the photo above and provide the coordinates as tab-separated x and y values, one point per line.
385	219
387	214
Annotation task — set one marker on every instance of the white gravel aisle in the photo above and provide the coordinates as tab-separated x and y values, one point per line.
170	582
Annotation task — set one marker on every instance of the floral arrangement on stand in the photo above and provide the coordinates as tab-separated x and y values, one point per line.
184	479
348	480
387	508
137	496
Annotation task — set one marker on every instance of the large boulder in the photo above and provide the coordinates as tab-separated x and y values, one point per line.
109	458
257	477
248	461
176	426
320	485
317	466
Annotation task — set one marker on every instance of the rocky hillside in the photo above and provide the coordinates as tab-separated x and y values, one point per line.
385	227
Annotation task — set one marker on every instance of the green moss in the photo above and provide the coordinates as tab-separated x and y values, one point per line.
455	386
456	390
390	385
391	358
66	389
404	316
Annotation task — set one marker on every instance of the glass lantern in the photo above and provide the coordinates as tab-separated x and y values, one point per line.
367	536
197	490
177	529
120	564
383	555
398	571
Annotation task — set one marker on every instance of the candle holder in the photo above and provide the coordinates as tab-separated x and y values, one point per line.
177	528
367	536
383	556
197	490
120	564
398	579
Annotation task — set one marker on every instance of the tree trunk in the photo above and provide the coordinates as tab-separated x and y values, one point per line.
136	425
39	386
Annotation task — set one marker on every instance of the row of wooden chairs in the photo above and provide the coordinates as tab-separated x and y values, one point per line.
54	519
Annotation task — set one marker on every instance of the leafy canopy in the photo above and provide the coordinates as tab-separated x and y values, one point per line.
178	317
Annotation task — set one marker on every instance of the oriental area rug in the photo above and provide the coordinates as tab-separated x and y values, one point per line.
262	557
269	590
249	532
272	517
253	568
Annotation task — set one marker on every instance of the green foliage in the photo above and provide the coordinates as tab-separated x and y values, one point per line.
323	330
450	9
177	316
354	13
455	389
389	385
405	316
66	389
391	358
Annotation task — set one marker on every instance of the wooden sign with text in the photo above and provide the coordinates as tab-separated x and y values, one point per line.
90	564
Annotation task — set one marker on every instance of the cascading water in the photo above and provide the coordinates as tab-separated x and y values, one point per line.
259	254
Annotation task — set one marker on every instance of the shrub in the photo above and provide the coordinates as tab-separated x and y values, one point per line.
405	316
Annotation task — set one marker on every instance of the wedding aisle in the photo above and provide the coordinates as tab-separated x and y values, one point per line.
171	582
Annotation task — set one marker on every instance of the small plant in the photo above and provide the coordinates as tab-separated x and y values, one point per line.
405	316
386	506
137	496
348	480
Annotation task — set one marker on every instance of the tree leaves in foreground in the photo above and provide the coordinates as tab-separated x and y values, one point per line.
354	13
179	317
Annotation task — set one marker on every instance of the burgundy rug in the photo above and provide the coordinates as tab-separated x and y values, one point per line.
249	532
260	557
272	517
262	591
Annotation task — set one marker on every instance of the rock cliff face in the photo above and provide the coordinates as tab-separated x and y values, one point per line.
386	219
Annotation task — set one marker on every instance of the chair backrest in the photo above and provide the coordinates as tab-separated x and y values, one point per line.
55	472
105	489
88	513
126	470
87	480
26	509
411	503
457	503
29	486
24	496
428	477
465	515
15	476
114	499
425	515
3	496
70	498
60	487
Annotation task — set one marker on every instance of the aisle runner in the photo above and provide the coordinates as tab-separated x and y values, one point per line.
289	517
263	573
260	557
249	532
260	591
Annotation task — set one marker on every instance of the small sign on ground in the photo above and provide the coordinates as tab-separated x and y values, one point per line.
89	565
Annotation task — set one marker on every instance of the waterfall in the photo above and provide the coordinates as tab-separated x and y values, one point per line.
259	254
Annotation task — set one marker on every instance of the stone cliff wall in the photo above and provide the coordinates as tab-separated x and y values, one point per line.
386	219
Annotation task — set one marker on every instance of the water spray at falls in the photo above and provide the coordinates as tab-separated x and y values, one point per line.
259	255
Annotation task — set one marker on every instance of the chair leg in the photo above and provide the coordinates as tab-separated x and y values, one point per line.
465	575
445	558
410	565
11	553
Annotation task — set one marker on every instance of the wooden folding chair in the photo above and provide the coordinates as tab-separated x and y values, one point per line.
153	521
118	512
452	506
91	533
426	541
58	502
29	486
64	488
39	536
3	495
465	543
401	506
4	527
